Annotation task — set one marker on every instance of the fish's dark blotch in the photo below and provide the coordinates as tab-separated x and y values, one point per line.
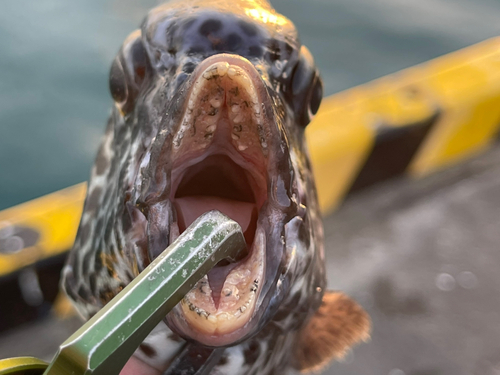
223	361
255	51
252	352
189	23
110	272
101	162
289	49
270	344
281	314
97	238
189	67
93	285
83	292
139	60
143	120
210	26
148	350
273	50
234	41
85	232
97	262
195	50
248	28
220	46
94	199
108	232
175	337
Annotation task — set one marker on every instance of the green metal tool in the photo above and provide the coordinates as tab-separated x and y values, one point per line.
105	343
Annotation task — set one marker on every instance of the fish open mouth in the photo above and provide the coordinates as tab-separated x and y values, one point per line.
220	161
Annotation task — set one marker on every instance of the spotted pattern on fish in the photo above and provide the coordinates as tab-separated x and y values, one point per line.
127	213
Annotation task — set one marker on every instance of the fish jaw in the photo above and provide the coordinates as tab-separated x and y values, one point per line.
225	153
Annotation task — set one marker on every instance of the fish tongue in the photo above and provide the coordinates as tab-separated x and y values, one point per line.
190	208
216	278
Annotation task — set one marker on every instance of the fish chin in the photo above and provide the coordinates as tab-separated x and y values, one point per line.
222	158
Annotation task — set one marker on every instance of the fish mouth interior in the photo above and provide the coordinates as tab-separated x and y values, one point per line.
217	182
220	163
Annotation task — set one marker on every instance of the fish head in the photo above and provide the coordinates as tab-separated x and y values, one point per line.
211	102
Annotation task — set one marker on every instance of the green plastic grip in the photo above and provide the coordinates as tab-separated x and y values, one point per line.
105	343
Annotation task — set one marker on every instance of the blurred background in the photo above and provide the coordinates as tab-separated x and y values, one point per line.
421	256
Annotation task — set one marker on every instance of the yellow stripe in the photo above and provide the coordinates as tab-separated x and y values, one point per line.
337	153
54	217
467	86
463	86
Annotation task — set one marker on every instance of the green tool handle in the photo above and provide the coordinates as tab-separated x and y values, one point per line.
105	343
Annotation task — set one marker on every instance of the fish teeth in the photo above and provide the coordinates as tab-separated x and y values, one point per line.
222	69
238	118
210	120
222	316
231	72
215	103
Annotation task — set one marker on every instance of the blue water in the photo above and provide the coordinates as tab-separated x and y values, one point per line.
55	56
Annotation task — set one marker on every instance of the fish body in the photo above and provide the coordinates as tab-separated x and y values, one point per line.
211	99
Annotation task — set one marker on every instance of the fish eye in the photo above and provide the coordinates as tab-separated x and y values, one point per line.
128	71
306	88
316	96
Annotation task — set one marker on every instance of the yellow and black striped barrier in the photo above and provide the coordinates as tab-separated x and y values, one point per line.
411	123
34	239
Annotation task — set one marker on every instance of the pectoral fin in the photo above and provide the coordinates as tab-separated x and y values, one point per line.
338	324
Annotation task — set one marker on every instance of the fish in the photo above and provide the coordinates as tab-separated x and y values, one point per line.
211	99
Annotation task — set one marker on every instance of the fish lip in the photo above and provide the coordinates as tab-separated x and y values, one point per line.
271	149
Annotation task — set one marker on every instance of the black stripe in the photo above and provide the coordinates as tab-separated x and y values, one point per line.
393	151
14	310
